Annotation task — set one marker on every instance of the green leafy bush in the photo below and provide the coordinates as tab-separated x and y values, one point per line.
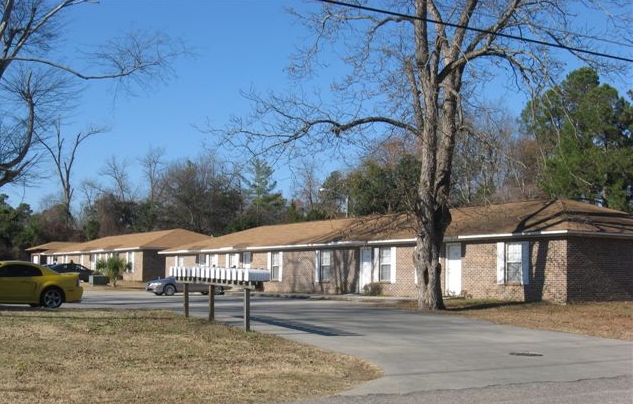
112	267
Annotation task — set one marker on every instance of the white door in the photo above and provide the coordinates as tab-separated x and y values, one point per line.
365	268
453	269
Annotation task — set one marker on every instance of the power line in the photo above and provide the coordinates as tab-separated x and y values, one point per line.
483	31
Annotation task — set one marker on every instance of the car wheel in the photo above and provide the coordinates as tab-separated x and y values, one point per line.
52	298
169	290
218	290
157	294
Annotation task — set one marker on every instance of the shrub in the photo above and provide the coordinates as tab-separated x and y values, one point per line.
372	289
113	267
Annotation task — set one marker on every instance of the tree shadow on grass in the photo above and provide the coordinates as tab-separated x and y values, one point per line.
479	305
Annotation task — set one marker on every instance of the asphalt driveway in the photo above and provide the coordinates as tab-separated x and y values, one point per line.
418	352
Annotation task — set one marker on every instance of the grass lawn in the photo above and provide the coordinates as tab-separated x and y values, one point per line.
85	356
604	319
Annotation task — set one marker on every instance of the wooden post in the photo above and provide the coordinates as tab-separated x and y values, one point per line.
247	309
186	292
211	302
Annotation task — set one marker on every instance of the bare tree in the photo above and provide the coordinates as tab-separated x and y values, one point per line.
410	68
64	159
481	158
153	167
117	172
34	85
306	185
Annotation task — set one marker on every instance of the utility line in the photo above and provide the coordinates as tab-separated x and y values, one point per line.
484	31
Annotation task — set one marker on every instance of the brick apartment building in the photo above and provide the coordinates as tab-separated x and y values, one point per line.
559	250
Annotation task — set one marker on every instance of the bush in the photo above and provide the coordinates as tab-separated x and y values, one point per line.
113	267
373	289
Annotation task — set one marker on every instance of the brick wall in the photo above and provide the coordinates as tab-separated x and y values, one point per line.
548	278
149	265
298	273
405	285
600	269
561	270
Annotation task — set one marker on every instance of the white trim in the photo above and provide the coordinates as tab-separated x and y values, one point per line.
393	265
501	263
281	265
248	254
525	262
453	283
269	264
317	266
375	276
366	268
128	261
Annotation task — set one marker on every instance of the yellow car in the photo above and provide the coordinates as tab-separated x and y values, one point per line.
25	282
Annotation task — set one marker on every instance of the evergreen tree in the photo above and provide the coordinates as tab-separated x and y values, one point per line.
585	130
264	206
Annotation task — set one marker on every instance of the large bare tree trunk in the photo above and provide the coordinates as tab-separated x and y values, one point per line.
408	64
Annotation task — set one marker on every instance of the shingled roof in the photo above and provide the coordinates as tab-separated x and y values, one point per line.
155	240
540	217
520	218
50	247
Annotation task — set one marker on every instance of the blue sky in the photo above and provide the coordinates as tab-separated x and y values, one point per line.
238	44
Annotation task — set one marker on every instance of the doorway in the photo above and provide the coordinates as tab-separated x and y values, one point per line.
453	269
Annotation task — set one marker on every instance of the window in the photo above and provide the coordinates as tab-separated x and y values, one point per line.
384	269
513	263
325	266
247	258
201	259
384	265
275	265
233	260
129	259
18	271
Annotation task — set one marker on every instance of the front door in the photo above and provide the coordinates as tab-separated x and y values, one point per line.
453	269
365	268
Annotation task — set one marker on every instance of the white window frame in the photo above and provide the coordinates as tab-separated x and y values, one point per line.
129	259
320	255
214	260
392	263
179	261
232	260
271	261
502	262
247	259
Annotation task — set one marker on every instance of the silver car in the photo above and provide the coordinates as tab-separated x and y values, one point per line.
168	286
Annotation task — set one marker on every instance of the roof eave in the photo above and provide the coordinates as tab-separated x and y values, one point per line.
406	241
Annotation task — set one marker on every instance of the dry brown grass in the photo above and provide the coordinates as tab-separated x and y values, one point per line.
81	356
600	319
